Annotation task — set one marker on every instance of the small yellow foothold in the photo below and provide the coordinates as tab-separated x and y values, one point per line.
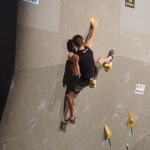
92	20
131	120
92	83
127	145
108	133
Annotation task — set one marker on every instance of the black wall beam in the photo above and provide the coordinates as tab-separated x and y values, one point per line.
8	24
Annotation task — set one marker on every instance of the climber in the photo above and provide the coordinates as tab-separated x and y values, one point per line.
83	66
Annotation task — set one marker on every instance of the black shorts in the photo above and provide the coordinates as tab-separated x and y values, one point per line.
80	84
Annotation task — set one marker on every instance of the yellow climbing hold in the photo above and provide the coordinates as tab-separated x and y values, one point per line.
131	120
92	83
92	20
108	133
107	66
127	145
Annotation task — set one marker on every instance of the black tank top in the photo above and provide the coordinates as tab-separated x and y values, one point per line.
86	63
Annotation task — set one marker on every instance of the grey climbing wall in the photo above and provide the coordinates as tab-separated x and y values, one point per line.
34	108
44	16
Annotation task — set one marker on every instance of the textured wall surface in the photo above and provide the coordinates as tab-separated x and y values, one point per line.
34	110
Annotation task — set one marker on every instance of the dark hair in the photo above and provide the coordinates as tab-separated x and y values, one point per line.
77	40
